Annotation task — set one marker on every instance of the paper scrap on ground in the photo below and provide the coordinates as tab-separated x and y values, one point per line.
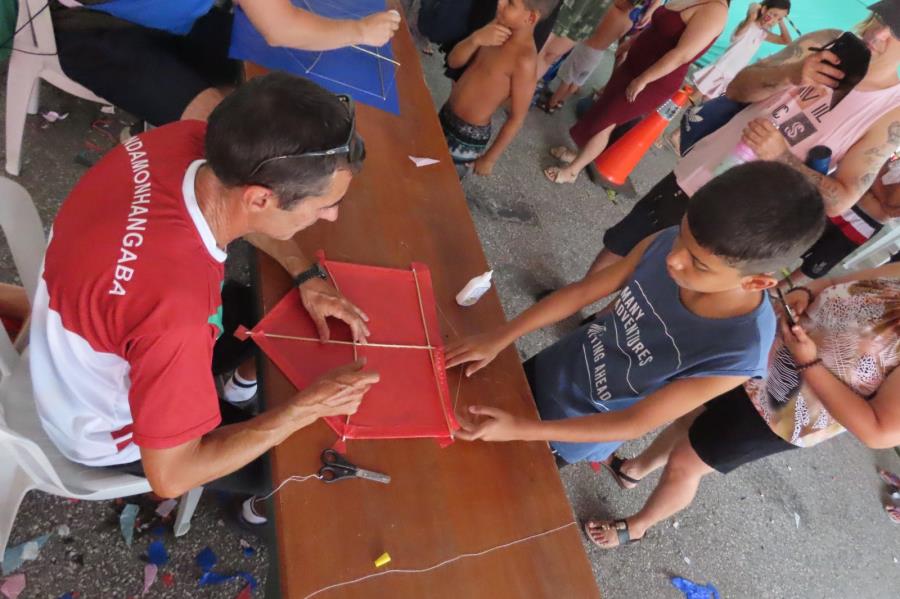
692	590
247	549
126	522
14	556
52	116
150	571
420	162
157	554
168	579
797	519
165	508
13	586
108	109
206	559
63	531
245	593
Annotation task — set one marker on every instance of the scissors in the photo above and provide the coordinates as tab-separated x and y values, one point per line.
337	467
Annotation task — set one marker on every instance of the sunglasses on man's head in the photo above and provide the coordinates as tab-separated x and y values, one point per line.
354	147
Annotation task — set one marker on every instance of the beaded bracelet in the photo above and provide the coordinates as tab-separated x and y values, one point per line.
808	365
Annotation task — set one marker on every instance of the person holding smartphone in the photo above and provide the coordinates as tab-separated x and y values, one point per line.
835	369
791	110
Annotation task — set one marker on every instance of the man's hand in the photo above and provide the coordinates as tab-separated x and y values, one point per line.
765	140
481	349
339	391
497	426
492	34
483	167
378	29
322	301
815	70
799	344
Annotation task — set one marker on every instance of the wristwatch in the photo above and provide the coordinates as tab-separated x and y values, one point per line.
315	271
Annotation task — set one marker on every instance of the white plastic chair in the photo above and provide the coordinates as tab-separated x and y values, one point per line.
28	458
33	58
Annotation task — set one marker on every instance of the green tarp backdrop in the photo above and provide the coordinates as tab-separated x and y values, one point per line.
807	15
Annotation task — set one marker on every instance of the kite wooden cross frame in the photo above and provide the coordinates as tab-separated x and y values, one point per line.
412	399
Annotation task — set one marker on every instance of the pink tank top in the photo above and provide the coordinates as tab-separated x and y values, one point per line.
805	118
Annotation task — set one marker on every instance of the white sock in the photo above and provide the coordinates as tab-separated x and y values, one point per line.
249	513
238	389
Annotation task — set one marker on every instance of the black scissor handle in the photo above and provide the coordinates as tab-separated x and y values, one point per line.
330	474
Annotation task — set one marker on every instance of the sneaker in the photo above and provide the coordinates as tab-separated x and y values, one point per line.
250	513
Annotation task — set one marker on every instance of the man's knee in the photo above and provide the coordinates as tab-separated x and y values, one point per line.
203	104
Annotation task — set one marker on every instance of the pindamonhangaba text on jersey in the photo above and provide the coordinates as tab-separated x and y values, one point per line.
137	224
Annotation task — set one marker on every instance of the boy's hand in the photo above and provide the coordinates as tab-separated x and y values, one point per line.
765	140
797	300
634	88
492	34
378	29
497	426
483	167
481	349
799	344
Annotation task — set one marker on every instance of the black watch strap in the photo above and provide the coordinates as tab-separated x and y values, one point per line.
315	271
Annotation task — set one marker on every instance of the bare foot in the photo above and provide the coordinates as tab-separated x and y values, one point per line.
554	174
563	154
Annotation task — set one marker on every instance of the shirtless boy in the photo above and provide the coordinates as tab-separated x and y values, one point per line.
503	65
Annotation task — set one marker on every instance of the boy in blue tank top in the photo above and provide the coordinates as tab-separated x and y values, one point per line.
692	320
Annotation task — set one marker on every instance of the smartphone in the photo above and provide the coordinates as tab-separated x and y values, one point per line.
855	57
788	312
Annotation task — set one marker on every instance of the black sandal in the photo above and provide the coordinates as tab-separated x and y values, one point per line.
622	533
615	468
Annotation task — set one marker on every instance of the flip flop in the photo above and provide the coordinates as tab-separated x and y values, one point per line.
615	468
551	173
621	528
563	154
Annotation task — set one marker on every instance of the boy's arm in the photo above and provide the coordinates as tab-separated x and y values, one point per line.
856	171
665	405
482	349
523	83
492	34
797	65
701	30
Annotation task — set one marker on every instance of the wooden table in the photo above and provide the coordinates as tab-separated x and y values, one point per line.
441	502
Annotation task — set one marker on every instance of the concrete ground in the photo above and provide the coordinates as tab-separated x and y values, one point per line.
805	525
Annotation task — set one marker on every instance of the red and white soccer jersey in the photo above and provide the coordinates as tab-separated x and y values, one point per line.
128	307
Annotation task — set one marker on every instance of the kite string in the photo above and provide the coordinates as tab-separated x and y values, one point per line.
337	342
298	479
441	564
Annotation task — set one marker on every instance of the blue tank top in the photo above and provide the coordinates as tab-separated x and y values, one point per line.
645	341
174	16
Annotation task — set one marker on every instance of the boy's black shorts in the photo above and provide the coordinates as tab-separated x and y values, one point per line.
730	433
152	74
662	207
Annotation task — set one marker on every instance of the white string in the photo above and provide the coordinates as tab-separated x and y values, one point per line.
441	564
298	479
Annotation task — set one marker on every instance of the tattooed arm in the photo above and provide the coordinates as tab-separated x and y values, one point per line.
797	64
857	170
